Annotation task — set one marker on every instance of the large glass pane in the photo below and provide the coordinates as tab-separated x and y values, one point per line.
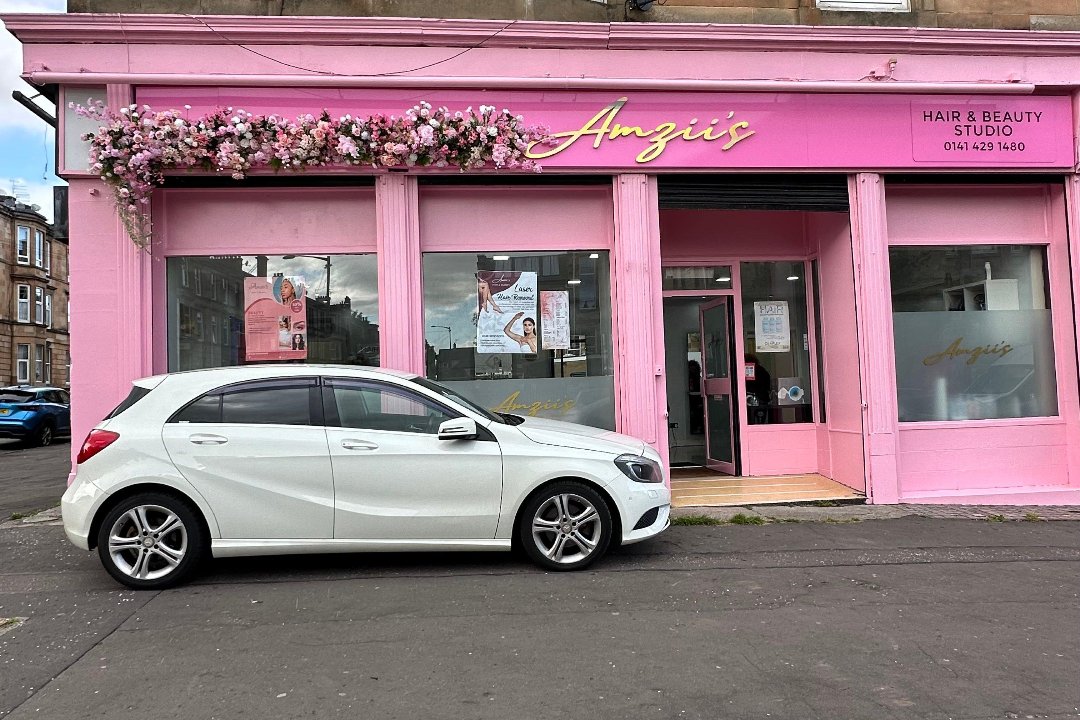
720	445
214	321
715	323
973	332
776	337
523	333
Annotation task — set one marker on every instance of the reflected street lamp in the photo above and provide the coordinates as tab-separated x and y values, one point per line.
325	259
449	331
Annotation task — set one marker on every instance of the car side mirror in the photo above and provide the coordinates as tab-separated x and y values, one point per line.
458	429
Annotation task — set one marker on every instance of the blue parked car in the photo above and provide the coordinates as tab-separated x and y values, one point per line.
35	415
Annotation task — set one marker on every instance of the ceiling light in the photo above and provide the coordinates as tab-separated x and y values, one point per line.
792	277
723	279
594	256
500	257
573	282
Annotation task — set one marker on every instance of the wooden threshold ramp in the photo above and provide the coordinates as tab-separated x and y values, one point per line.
692	487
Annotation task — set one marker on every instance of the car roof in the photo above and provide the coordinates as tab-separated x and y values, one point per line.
273	370
31	388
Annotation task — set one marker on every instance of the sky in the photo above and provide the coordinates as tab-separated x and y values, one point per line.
26	142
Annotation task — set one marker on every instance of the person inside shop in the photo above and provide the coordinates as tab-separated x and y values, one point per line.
758	390
697	402
528	325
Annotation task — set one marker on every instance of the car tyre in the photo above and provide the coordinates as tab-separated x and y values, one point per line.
151	541
45	435
565	526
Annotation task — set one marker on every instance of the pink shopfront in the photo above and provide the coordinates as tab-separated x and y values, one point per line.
868	281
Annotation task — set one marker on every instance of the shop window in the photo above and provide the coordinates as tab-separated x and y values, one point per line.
23	248
973	332
776	337
707	277
23	303
76	150
330	314
22	364
523	333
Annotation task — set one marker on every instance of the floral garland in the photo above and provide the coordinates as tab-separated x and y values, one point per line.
133	149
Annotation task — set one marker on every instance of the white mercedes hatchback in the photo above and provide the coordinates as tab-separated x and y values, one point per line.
272	459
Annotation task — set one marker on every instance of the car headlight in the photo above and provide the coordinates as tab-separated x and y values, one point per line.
640	469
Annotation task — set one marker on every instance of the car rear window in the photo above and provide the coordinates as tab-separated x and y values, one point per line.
137	393
15	396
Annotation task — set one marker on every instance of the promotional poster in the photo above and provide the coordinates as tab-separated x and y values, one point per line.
772	331
506	312
555	319
275	318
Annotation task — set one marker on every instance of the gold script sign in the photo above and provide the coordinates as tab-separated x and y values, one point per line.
602	126
511	405
956	350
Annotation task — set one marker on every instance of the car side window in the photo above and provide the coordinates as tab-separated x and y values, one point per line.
206	409
281	405
374	406
52	396
64	397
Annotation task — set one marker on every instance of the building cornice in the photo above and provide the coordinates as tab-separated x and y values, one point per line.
344	31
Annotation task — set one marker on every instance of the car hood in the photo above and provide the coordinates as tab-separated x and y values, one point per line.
580	437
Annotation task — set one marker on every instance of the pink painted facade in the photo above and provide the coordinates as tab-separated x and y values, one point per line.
952	151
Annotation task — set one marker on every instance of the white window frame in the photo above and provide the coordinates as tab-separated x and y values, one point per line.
39	305
22	304
22	364
23	245
48	256
39	363
39	248
865	5
48	311
48	364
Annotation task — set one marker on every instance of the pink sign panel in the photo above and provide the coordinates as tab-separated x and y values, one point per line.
677	130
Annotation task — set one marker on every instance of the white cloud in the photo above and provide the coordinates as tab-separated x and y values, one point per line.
13	115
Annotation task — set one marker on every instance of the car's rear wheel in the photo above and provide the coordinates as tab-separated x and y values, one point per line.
566	526
151	541
45	435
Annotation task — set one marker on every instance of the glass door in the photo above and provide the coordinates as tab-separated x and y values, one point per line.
716	385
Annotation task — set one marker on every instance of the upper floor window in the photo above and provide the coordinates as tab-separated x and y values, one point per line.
39	248
22	365
39	305
866	5
24	245
23	302
48	256
48	311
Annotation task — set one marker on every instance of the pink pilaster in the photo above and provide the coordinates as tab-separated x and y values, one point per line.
873	303
110	331
1071	402
401	313
640	391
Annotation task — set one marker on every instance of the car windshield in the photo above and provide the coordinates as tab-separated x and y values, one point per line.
450	394
15	396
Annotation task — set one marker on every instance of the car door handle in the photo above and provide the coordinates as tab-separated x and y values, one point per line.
358	445
207	439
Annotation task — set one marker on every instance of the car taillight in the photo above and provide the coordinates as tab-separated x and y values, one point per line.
95	442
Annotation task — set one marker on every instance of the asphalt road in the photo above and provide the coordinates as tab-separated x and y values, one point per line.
904	618
32	478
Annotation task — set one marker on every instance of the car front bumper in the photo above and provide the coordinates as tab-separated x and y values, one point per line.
637	500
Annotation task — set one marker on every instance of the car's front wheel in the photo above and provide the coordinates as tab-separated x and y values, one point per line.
566	526
151	541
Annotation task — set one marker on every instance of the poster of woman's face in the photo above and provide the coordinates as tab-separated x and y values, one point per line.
287	289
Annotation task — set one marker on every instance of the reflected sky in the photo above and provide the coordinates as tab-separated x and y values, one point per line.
354	276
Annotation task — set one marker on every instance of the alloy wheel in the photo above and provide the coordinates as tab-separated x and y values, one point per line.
567	528
148	542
